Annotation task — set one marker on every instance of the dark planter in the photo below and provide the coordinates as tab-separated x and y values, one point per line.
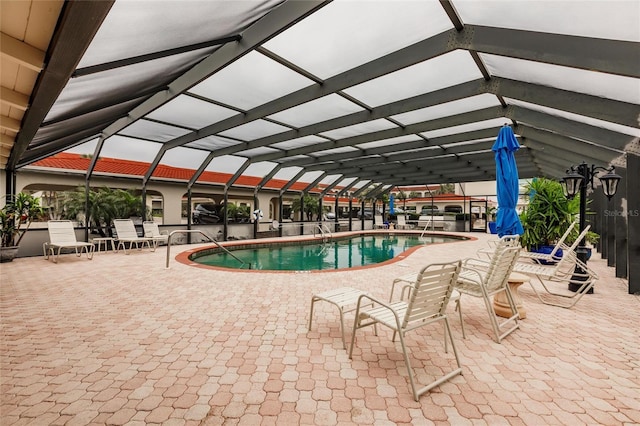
7	254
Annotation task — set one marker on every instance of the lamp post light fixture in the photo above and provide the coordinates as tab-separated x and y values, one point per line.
577	179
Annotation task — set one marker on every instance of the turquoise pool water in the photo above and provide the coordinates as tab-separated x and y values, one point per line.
350	252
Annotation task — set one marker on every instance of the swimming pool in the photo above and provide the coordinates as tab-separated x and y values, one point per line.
315	255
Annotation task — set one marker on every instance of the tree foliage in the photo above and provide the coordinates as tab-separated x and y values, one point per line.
311	206
548	214
16	217
105	204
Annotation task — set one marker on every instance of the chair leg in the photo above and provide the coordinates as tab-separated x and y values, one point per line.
575	297
408	364
497	327
437	382
313	301
459	309
464	336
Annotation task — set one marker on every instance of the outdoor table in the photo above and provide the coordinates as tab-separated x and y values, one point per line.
500	303
106	241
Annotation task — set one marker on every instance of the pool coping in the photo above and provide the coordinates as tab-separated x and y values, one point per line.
184	256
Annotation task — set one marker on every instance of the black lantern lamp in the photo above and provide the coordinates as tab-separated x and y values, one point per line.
583	175
577	179
610	183
571	183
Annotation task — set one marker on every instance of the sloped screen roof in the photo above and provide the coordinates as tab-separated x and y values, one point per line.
388	92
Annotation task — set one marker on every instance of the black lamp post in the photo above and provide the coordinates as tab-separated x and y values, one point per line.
577	179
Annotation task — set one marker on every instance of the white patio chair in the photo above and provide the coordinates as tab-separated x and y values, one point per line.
151	231
408	282
499	244
127	234
427	304
478	279
63	236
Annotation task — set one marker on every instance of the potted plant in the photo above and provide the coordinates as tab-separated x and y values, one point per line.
15	218
547	216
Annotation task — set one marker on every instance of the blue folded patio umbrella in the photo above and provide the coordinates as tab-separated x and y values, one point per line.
391	205
507	222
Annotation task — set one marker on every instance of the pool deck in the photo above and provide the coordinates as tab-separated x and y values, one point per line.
121	339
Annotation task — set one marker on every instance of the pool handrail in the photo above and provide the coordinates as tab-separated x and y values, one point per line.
322	228
193	231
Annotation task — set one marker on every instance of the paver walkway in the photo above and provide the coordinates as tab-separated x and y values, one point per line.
122	340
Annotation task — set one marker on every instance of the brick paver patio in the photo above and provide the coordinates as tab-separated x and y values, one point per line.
122	340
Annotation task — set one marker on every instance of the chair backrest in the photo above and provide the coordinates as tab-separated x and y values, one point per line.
379	219
61	232
500	267
401	220
150	229
577	241
507	241
125	228
431	293
560	242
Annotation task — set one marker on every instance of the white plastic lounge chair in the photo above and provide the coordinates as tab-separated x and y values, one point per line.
63	236
127	234
479	280
427	304
553	256
151	231
402	222
564	272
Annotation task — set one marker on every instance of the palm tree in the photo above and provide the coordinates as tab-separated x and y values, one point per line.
105	204
311	206
402	196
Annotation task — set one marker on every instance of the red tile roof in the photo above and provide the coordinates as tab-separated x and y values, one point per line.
79	162
69	161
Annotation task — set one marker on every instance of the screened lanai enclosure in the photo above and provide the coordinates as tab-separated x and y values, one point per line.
345	94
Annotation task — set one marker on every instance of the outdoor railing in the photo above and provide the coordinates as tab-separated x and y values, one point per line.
197	231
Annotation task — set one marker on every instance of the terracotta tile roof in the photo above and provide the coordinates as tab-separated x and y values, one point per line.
69	161
79	162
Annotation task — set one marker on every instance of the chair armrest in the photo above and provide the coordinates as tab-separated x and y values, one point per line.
472	261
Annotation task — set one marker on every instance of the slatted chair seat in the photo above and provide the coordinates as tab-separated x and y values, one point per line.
344	298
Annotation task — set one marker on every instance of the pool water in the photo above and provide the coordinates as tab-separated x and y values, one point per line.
350	252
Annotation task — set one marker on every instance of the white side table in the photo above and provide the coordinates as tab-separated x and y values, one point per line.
106	241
